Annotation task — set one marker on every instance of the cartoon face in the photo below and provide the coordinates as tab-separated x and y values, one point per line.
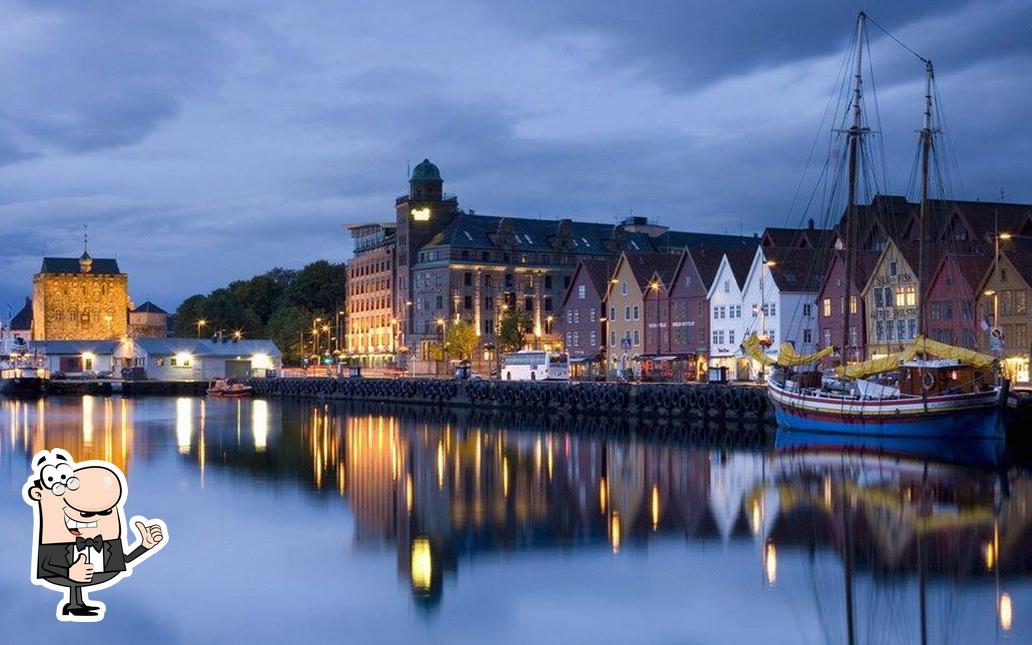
77	503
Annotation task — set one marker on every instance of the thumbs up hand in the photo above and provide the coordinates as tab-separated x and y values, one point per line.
81	571
150	536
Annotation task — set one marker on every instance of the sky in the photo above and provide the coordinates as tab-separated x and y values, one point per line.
207	141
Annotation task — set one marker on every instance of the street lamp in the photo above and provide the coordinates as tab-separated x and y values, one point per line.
442	325
200	323
238	334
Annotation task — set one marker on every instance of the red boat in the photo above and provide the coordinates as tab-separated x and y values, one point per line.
228	388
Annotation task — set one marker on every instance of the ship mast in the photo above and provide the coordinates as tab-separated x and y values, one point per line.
926	147
855	132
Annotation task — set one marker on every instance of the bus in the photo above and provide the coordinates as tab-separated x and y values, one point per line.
535	365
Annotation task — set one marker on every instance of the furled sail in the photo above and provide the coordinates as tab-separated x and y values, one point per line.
787	356
921	345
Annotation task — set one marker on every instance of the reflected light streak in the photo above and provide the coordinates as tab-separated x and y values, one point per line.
1006	612
408	492
440	465
770	564
184	425
603	494
505	476
422	566
614	531
87	419
260	424
655	507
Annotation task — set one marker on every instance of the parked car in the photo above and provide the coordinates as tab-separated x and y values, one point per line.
134	374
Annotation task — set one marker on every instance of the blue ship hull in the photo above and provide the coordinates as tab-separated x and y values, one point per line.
971	452
986	423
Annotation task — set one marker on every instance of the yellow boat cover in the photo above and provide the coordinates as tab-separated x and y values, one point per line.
921	345
787	356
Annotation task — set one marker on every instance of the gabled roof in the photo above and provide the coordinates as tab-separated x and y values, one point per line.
1019	254
645	265
596	271
101	266
863	264
74	347
740	261
778	236
972	267
22	321
797	269
149	308
665	275
982	218
707	262
202	347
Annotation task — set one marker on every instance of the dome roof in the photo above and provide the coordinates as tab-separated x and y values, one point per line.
425	171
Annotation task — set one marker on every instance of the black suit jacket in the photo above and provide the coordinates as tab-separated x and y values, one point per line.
54	560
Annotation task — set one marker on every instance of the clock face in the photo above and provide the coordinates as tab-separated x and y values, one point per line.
421	214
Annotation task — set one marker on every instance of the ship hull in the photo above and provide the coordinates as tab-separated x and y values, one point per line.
23	387
977	415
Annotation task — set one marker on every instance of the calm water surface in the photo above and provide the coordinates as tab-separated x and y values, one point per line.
294	522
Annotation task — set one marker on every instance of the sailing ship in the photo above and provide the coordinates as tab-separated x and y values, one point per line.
928	388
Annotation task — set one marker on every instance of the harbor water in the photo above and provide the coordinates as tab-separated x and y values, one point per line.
293	521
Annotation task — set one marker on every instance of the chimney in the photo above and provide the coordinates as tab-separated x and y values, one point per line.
809	224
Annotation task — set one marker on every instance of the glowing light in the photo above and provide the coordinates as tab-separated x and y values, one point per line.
87	419
655	507
990	556
261	362
408	492
182	359
603	494
1006	612
260	424
440	465
505	476
422	566
184	425
770	563
614	532
421	214
755	518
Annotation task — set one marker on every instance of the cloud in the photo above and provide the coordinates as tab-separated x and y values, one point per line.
204	142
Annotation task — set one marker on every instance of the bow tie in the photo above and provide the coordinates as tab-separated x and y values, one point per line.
95	543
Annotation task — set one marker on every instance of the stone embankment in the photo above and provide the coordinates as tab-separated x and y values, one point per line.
642	400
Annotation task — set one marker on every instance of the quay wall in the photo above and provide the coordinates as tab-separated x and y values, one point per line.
104	387
687	401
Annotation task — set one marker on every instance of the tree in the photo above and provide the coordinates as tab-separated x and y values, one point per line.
461	340
319	288
187	315
286	327
512	330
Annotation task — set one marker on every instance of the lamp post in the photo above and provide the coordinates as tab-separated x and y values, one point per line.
200	323
442	326
763	308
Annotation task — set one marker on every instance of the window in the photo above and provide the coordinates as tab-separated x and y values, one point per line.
966	310
827	338
967	338
467	303
637	337
548	282
576	339
879	331
576	316
852	337
582	292
593	339
591	318
569	316
893	269
890	330
489	302
1007	303
731	336
627	312
612	313
807	336
467	278
688	280
852	304
826	307
547	303
901	329
440	302
612	338
623	288
528	304
488	280
807	310
912	329
636	314
508	280
727	286
1020	304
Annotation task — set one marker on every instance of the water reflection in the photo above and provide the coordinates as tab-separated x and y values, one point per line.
443	488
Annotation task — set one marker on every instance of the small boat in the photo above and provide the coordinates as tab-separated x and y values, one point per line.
228	388
23	373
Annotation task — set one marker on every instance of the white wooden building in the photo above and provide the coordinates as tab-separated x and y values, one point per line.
192	359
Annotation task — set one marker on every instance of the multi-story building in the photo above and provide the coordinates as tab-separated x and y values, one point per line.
634	273
372	331
952	292
831	303
727	316
81	298
1006	289
148	321
677	318
892	299
780	298
582	317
